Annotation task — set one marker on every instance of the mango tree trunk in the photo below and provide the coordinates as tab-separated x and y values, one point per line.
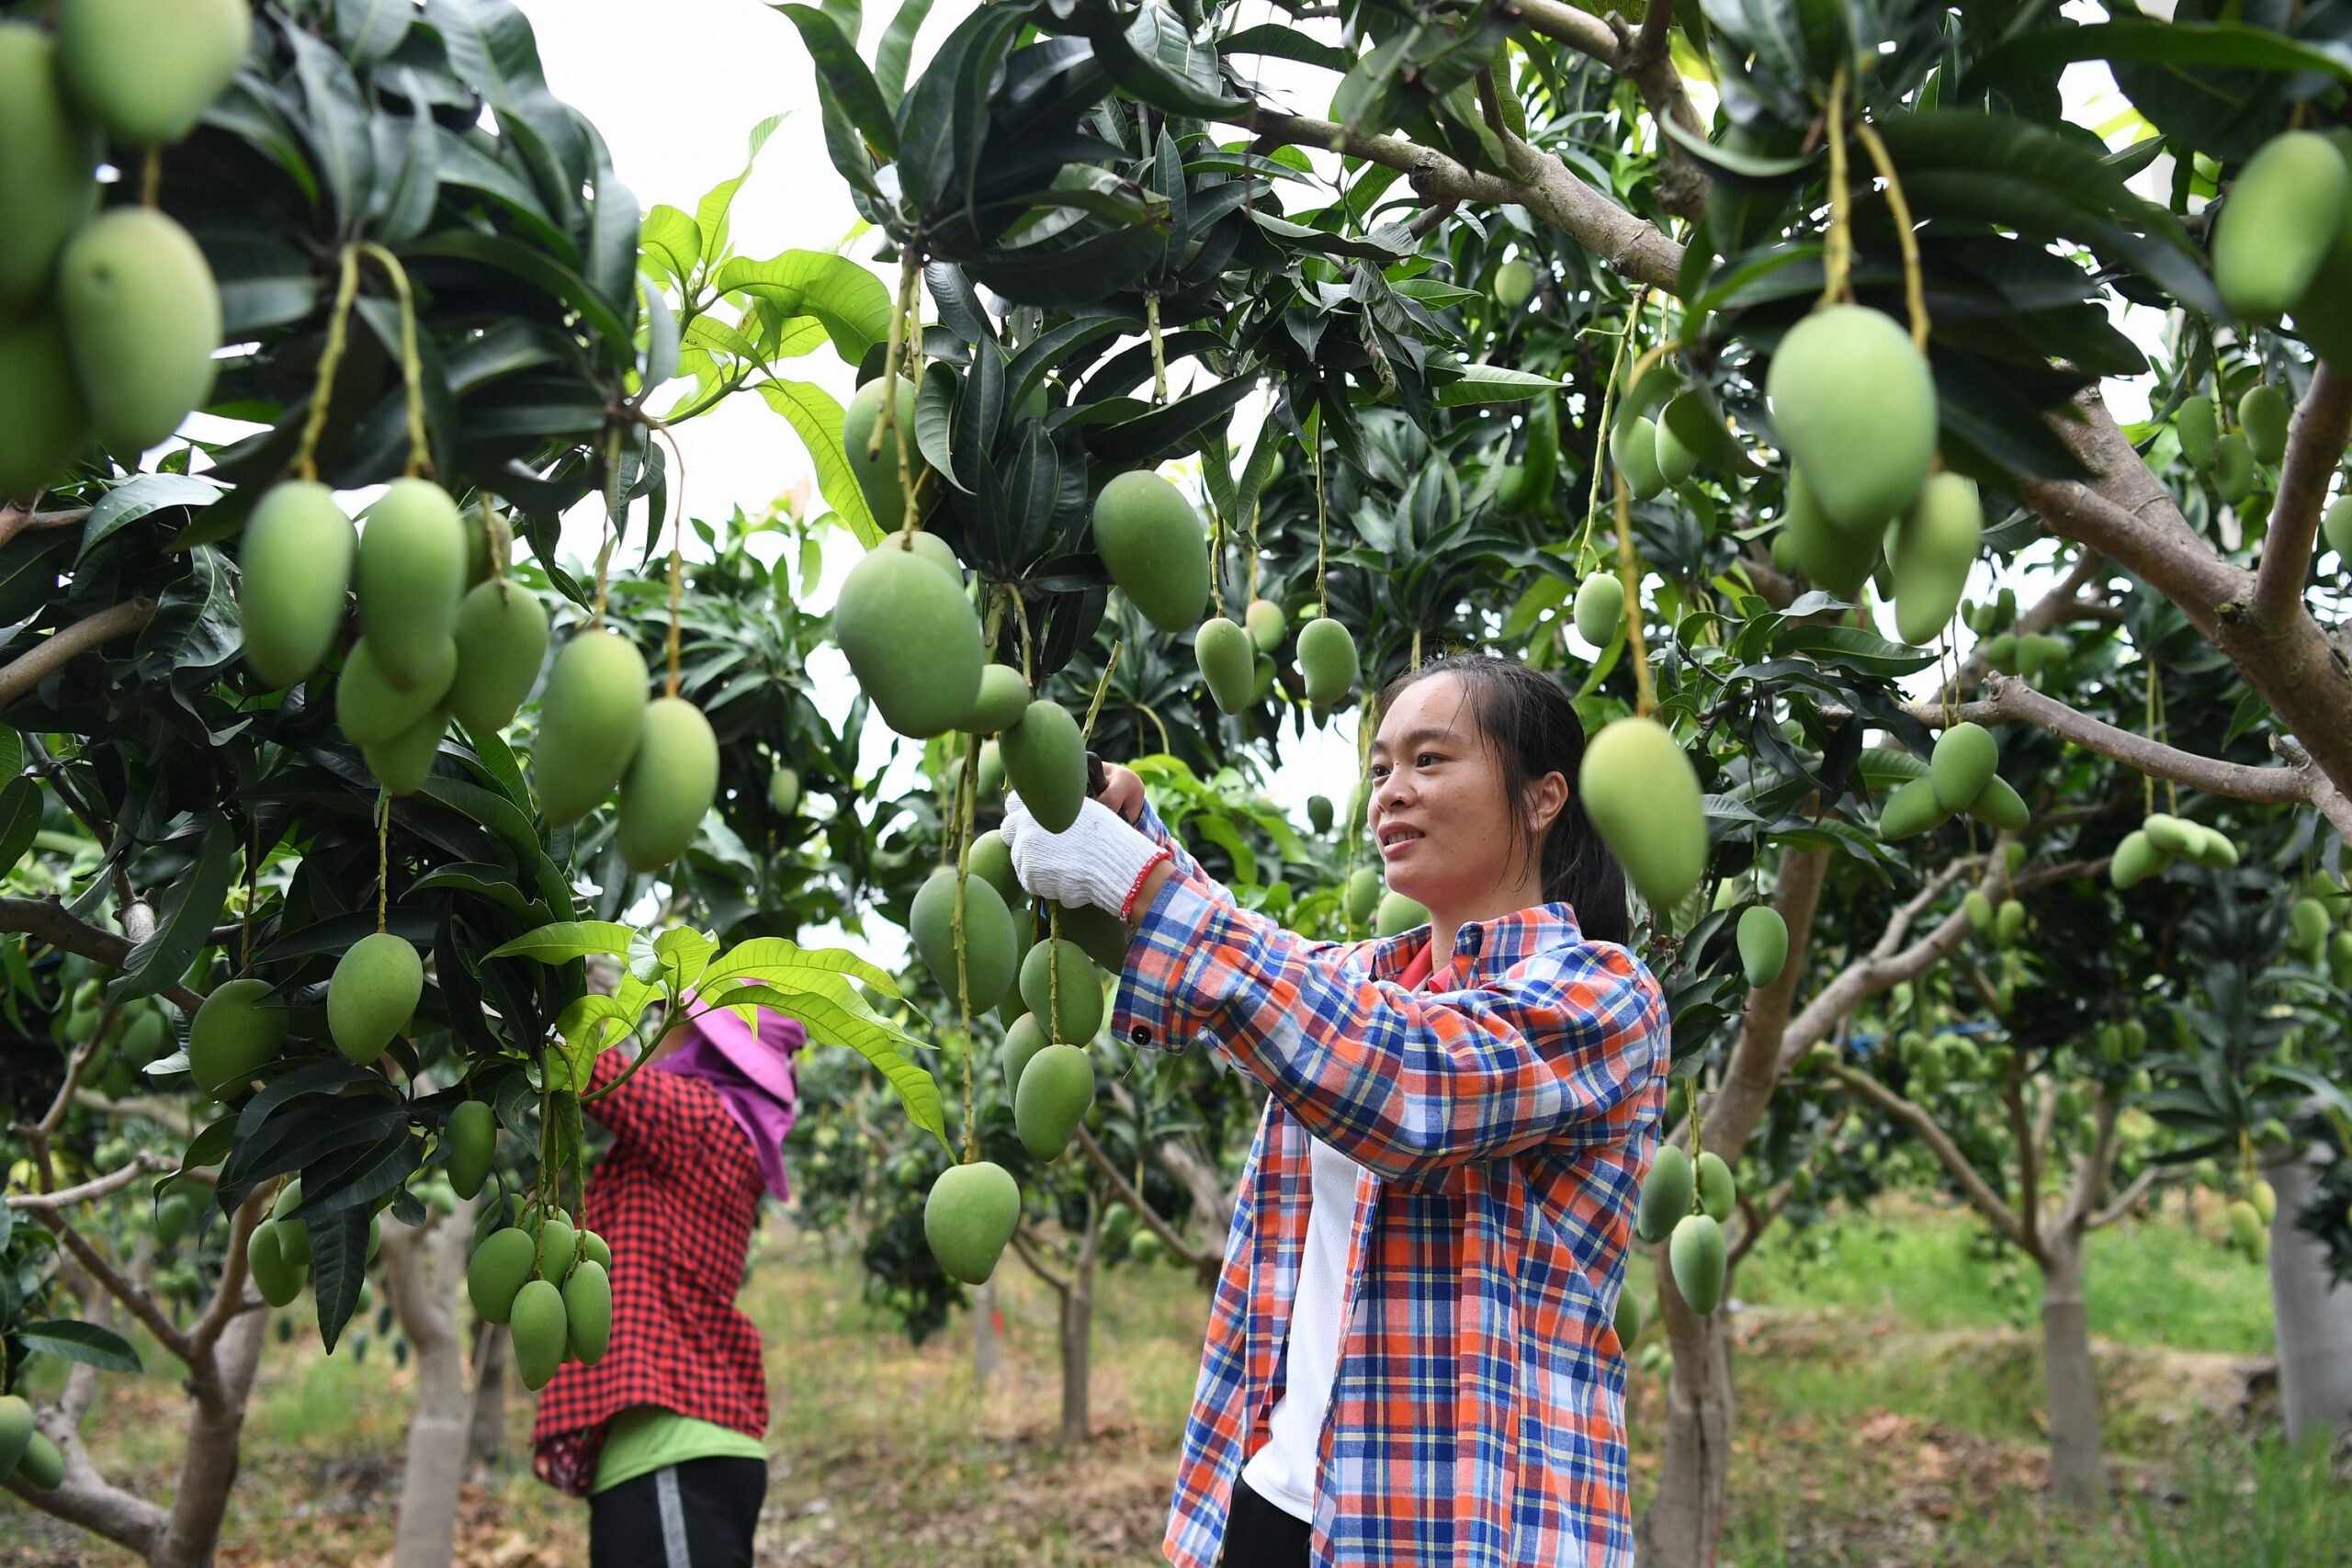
1685	1517
215	1427
423	1267
486	1430
2077	1464
2312	1315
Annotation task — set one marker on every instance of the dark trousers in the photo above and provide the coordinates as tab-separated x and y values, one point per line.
1258	1534
700	1514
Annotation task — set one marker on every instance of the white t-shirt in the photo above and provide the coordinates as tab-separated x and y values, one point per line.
1283	1473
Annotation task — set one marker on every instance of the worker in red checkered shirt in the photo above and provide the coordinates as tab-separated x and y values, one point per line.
665	1434
1410	1359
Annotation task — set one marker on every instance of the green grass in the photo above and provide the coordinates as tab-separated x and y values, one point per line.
1888	1415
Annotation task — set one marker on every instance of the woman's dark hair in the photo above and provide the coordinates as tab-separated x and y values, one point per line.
1526	719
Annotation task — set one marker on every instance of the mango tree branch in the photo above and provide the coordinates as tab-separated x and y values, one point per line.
1734	1114
1580	30
98	1187
135	1297
2315	443
87	1500
1204	1264
2090	1176
1648	59
27	670
1915	1116
229	1296
1037	1265
2128	1200
47	919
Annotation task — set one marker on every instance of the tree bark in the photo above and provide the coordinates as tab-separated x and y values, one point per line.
2311	1312
988	1350
2077	1464
422	1267
215	1429
486	1432
1078	1332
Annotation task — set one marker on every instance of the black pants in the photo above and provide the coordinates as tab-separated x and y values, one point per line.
700	1514
1259	1535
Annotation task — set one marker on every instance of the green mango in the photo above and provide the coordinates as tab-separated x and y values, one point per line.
239	1026
1999	804
1641	793
1044	762
145	68
1056	1088
2336	525
1717	1194
2173	835
1021	1042
2001	652
43	1465
590	718
1397	915
558	1246
1151	539
784	791
278	1279
142	322
376	984
588	1310
593	1249
1854	406
1979	907
1600	608
1327	657
173	1215
1227	664
1075	1009
371	710
2274	230
2233	468
1962	761
43	422
2009	922
1911	810
1514	284
1936	545
402	763
992	771
2194	425
988	952
1676	461
1005	697
1363	894
294	564
2136	859
16	1432
2307	925
1266	624
990	859
468	1145
1832	557
502	641
877	468
1103	935
539	1328
1698	1255
2264	1198
2246	1230
672	780
1763	946
1665	1194
48	181
1627	1324
2264	412
1633	446
969	1217
497	1270
411	579
1320	813
912	640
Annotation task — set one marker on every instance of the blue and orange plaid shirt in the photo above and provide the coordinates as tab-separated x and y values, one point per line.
1505	1114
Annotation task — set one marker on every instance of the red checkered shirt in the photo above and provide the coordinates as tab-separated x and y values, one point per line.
675	1197
1504	1115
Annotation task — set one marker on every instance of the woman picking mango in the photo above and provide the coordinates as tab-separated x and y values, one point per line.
1410	1359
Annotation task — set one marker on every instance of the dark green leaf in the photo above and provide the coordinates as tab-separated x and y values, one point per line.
336	126
1167	432
136	498
934	416
979	408
78	1341
897	42
1852	649
338	1271
406	198
843	76
20	819
196	901
536	269
370	29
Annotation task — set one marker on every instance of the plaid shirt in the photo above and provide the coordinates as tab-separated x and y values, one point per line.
1505	1116
675	1197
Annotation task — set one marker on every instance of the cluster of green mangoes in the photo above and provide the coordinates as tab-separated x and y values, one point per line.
2004	922
1391	913
1854	406
2249	1219
1650	455
108	321
1961	776
1686	1206
2240	461
2161	839
2312	931
549	1283
2011	652
25	1453
135	1034
279	1252
2282	243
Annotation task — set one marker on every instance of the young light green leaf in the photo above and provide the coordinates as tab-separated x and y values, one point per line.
567	940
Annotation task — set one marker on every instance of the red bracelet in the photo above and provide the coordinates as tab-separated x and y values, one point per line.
1127	905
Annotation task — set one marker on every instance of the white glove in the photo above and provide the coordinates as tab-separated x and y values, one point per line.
1097	860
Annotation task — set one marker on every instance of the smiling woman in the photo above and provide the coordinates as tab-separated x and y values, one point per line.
1457	1122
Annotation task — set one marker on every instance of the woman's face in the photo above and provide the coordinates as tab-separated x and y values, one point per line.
1447	835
